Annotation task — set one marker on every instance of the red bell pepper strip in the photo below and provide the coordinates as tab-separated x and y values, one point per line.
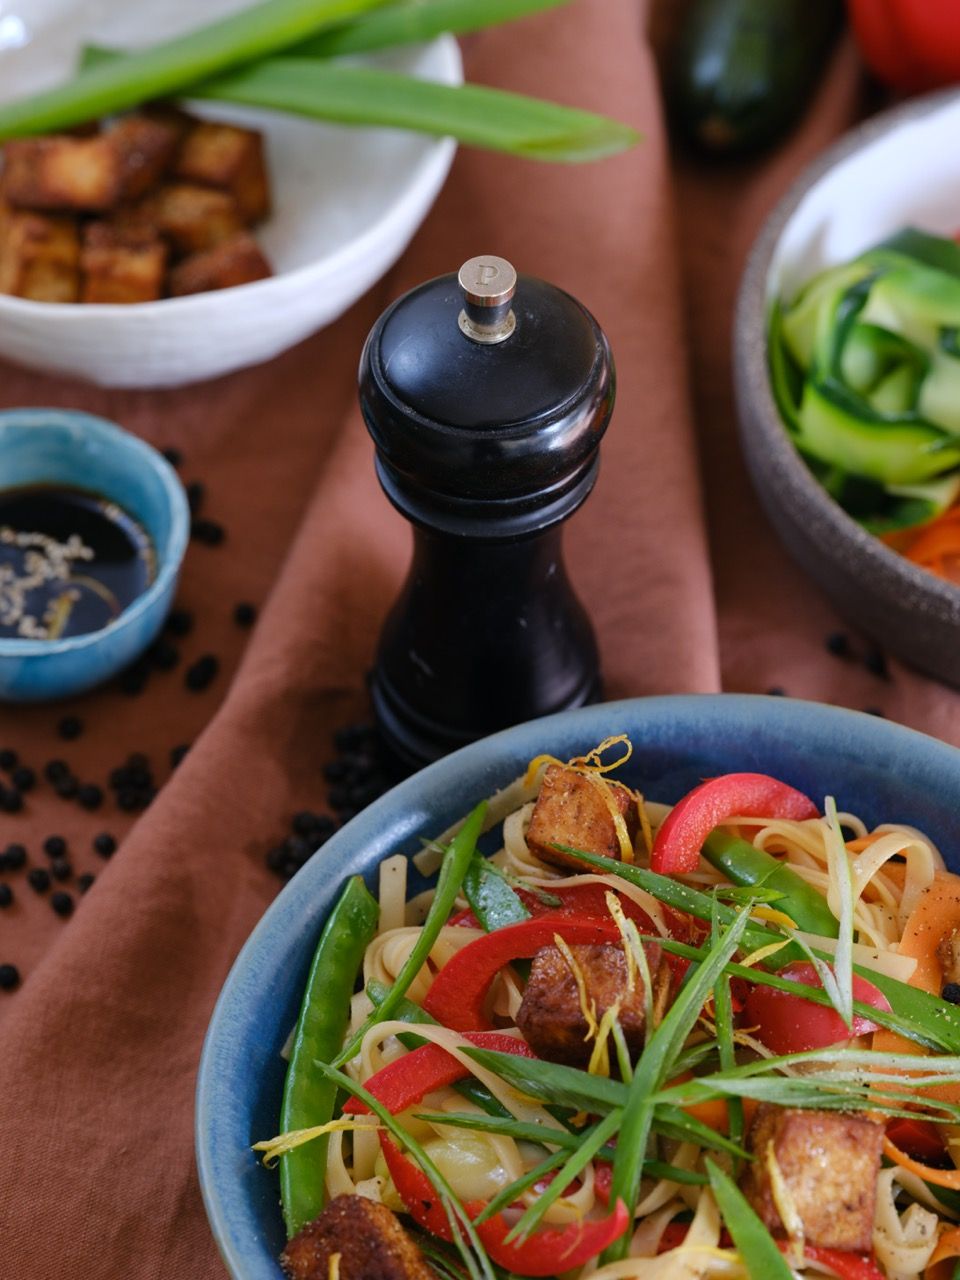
909	44
546	1252
459	990
848	1266
789	1024
403	1082
920	1139
676	849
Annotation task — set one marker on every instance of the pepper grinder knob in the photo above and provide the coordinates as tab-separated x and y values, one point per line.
486	395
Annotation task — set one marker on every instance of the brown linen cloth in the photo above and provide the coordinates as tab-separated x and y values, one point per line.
100	1045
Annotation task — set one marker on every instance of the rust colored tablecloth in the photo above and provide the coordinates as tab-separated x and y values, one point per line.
686	583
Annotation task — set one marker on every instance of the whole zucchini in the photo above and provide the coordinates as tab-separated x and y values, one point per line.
743	70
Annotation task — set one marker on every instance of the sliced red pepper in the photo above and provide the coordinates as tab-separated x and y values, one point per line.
920	1139
787	1023
674	1234
676	849
848	1266
459	990
405	1081
546	1252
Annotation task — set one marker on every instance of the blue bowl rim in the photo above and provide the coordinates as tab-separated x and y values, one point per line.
170	556
785	716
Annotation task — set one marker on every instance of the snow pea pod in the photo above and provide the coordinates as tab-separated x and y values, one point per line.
745	864
308	1096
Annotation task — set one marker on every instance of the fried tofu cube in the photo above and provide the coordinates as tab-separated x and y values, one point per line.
551	1014
39	255
829	1161
193	218
231	159
121	264
369	1240
146	146
63	173
237	261
572	809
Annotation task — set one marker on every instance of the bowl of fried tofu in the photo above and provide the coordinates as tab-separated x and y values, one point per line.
179	242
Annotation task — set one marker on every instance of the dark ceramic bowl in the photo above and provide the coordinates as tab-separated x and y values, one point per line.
900	168
873	768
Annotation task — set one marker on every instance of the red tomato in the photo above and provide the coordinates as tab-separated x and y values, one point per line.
787	1023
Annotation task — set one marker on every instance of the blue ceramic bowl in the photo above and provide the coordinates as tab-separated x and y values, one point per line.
875	769
66	447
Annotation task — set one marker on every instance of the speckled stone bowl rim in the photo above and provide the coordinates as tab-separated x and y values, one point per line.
141	456
675	738
894	575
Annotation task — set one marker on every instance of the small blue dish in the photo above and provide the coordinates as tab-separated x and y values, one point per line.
63	447
878	770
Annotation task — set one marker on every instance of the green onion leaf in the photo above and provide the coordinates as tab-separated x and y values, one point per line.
756	1246
470	113
114	83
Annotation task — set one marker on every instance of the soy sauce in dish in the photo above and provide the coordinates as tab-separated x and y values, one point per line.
70	562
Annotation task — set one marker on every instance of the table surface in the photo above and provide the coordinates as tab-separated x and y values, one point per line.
686	584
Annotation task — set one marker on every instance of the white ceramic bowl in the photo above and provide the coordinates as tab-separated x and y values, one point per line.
901	168
346	203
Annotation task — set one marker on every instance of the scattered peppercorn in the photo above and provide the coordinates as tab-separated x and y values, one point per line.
53	770
776	691
196	492
66	787
8	759
838	643
163	655
55	847
62	903
105	844
202	673
11	801
951	992
61	869
70	727
6	895
14	857
244	614
24	778
875	711
173	455
133	681
90	796
38	878
85	881
177	754
9	977
179	622
876	663
208	532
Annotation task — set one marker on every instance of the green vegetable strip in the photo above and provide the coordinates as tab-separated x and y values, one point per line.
658	1055
411	23
507	1195
917	1014
746	865
131	78
460	1223
491	899
454	868
756	1246
470	113
308	1098
723	1014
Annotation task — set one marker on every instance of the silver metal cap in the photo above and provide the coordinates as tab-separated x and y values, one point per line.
488	285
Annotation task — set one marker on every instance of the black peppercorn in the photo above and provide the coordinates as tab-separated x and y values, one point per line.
837	643
177	753
179	622
244	615
6	895
66	787
196	492
305	823
134	679
90	796
105	844
173	455
876	663
163	655
39	879
23	778
8	759
208	532
55	847
11	801
14	857
9	977
62	903
61	869
202	673
951	992
85	881
70	727
54	770
776	691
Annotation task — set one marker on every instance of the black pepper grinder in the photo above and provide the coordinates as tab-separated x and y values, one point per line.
486	395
